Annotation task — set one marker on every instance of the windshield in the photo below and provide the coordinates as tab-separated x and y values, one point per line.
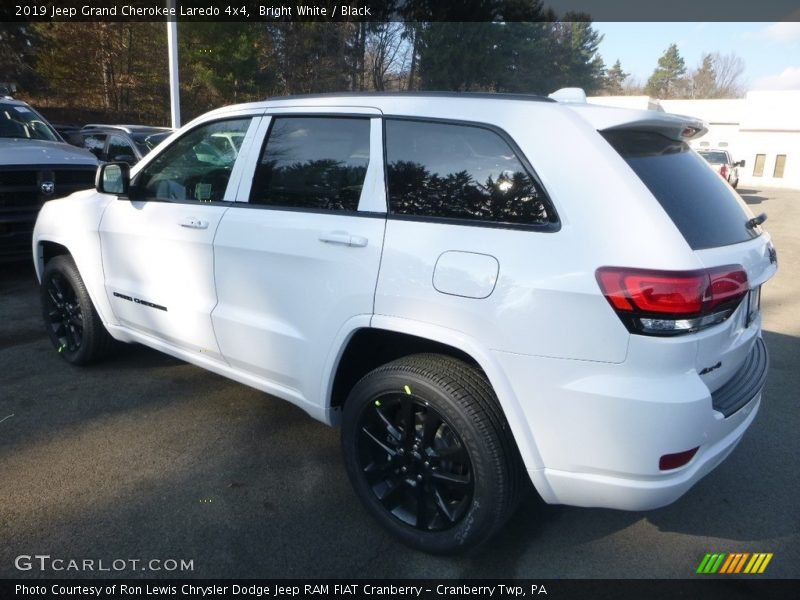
17	121
714	157
148	141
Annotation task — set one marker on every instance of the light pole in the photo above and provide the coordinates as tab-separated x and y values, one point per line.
174	77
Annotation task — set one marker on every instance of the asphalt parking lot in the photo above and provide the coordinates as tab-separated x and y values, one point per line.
146	457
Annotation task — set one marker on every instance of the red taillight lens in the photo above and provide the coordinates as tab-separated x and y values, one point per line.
670	302
723	170
654	291
728	284
673	461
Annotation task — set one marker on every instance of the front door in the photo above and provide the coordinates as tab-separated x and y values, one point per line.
157	245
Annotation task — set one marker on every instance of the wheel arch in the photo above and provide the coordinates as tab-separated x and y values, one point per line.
389	338
47	247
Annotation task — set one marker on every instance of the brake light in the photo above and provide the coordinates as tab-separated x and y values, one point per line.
723	170
672	302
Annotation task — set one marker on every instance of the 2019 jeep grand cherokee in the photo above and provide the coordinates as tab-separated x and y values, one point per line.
428	272
35	165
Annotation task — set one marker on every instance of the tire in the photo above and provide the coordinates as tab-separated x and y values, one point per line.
72	323
430	454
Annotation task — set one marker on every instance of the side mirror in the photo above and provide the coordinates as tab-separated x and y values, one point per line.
740	163
113	178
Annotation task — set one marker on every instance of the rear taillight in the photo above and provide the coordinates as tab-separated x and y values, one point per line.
723	170
672	302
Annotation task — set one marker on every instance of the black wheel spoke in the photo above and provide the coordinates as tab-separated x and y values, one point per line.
377	441
422	507
407	419
455	454
430	426
394	496
451	479
377	472
51	291
57	287
442	507
393	431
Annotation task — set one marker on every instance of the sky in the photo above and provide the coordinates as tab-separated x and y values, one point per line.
770	51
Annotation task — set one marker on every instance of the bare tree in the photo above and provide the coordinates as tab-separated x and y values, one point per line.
728	69
387	54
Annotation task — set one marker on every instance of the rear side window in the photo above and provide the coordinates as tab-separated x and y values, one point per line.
95	143
316	163
705	210
454	171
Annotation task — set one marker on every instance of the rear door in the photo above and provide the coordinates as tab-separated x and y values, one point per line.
296	259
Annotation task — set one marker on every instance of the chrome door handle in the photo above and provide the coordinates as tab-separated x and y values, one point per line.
343	238
193	223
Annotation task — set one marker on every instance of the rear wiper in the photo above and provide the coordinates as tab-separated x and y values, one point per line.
756	221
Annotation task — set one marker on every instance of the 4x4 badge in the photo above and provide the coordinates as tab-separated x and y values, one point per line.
48	187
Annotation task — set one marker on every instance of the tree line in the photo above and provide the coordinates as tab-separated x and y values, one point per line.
119	71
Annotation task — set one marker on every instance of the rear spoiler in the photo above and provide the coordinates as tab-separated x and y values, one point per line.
676	127
602	118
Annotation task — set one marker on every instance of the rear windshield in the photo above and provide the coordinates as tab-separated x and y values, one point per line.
703	207
714	157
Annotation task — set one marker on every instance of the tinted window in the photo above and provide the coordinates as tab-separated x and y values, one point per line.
95	143
459	172
704	208
193	167
120	150
313	162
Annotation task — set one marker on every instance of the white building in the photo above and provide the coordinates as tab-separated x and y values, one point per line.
763	129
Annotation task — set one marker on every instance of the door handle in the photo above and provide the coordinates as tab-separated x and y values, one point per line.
194	223
343	238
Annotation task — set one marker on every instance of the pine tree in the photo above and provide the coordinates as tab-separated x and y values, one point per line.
704	79
615	78
669	78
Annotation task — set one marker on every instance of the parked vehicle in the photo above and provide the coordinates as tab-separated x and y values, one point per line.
121	143
35	165
427	271
725	165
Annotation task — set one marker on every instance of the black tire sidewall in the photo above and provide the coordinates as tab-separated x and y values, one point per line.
65	266
481	517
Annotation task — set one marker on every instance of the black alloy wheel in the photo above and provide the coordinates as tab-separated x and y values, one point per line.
415	462
63	313
430	453
72	323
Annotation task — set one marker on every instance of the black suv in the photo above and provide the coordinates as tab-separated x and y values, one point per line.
35	165
120	143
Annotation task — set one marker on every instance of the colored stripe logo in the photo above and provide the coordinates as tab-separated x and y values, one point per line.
736	562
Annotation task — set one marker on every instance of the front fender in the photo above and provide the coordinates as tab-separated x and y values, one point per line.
73	222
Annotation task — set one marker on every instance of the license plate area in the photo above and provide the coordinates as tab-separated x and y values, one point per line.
753	305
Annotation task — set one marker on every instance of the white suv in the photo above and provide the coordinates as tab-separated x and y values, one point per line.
473	286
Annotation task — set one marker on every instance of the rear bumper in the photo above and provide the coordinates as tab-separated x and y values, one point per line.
606	491
600	429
